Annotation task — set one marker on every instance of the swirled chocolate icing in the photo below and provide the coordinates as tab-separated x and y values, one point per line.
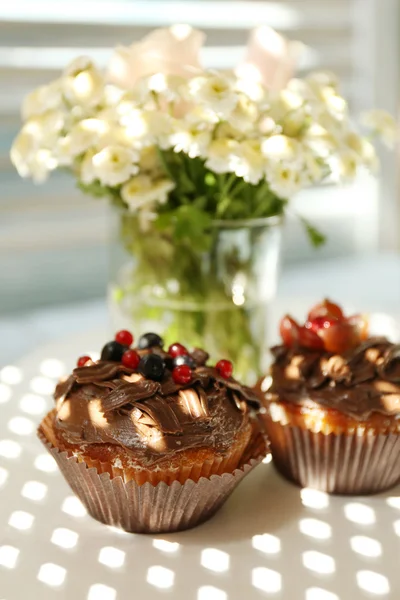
105	402
360	382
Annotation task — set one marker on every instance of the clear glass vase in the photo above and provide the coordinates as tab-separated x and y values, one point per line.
216	299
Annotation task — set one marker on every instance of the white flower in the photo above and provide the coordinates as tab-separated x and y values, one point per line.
285	180
160	127
23	149
87	172
251	162
114	165
344	164
31	160
142	190
44	98
83	83
244	115
222	156
215	92
172	51
191	139
382	124
280	148
86	134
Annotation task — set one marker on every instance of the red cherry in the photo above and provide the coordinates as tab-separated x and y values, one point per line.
224	368
309	339
326	309
340	337
182	374
130	359
289	330
124	337
177	350
82	360
319	323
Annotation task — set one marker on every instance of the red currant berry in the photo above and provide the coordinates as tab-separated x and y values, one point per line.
130	359
124	337
309	339
326	309
182	374
319	323
289	330
177	350
82	360
224	368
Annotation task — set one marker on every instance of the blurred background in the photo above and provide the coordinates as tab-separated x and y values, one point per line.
53	254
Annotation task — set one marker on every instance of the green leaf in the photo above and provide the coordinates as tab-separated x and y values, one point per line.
316	238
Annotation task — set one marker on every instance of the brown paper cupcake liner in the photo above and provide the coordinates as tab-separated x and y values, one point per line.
359	462
150	508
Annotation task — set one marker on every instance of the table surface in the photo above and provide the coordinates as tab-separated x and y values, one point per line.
270	540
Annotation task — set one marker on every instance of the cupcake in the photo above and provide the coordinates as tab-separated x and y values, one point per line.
152	440
331	407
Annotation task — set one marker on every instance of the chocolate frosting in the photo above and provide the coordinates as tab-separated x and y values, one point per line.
105	402
358	383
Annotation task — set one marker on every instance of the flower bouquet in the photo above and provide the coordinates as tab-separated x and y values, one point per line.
200	166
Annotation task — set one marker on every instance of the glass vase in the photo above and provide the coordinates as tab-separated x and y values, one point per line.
216	299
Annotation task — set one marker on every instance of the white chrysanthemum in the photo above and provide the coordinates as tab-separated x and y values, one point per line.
83	83
285	180
137	127
22	150
345	164
30	160
267	126
215	92
244	115
149	161
280	148
142	190
251	162
313	169
84	135
87	173
382	124
201	116
115	164
222	155
191	139
44	98
161	127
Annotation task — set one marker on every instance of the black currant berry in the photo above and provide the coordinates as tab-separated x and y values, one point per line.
152	366
184	359
148	340
113	351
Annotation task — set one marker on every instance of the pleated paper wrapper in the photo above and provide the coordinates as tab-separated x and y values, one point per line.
147	508
359	462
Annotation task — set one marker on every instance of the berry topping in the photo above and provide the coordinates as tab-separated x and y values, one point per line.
184	359
340	337
289	330
152	366
326	309
177	350
130	359
309	339
82	360
113	351
224	368
320	323
182	374
327	328
148	340
124	337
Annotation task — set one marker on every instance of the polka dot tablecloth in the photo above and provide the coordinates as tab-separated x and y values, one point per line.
271	539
